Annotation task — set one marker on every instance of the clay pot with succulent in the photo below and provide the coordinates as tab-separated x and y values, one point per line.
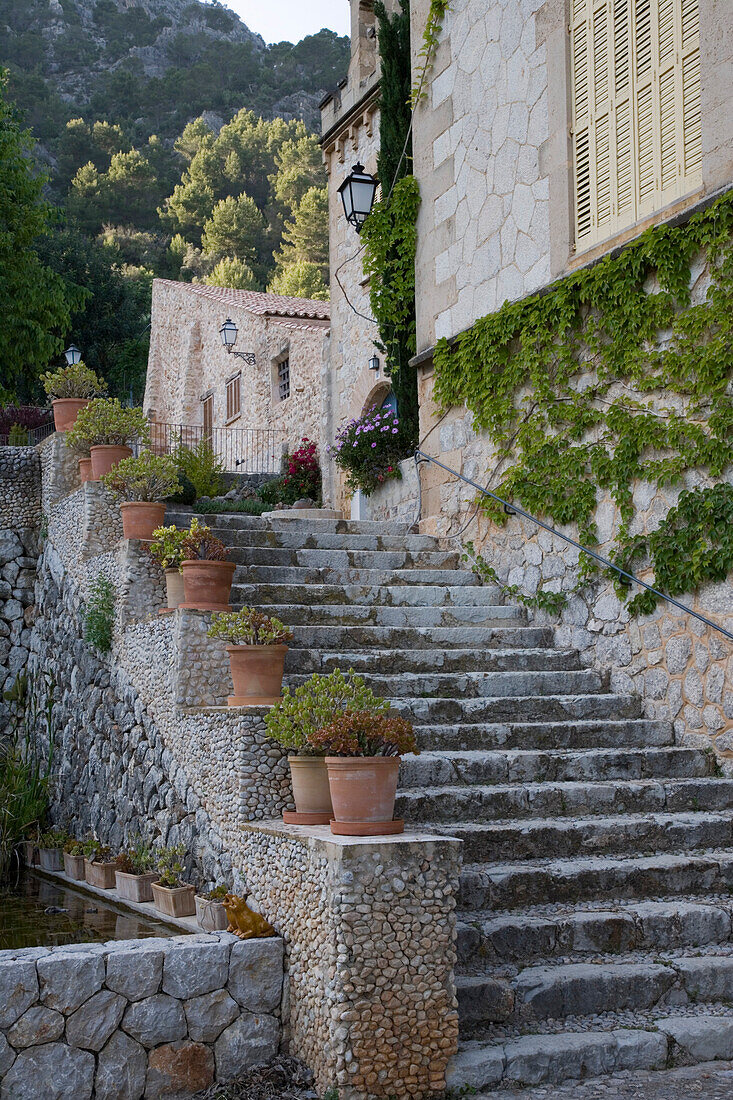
108	429
142	483
99	865
136	871
257	649
70	389
296	717
171	894
166	549
210	912
74	859
51	850
363	753
207	574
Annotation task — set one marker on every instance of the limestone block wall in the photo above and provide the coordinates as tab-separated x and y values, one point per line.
396	501
152	1017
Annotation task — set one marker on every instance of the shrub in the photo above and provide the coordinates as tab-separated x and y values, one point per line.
17	436
199	544
24	416
217	894
321	699
202	467
167	547
95	851
54	838
138	858
361	733
168	863
369	449
74	847
248	507
149	477
99	616
78	381
301	479
249	627
187	493
105	422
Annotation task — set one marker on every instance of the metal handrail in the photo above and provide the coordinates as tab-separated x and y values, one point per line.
420	456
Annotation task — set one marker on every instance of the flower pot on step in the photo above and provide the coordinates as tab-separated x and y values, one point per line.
52	859
178	902
28	852
101	875
207	584
140	518
74	867
257	674
66	410
211	915
363	790
105	457
135	887
311	792
174	587
85	470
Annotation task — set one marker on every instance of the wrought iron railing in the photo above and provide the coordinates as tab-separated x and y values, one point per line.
240	450
27	437
511	508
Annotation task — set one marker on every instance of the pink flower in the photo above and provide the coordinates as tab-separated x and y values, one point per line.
374	444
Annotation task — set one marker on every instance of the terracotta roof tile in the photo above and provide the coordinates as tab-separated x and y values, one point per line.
270	305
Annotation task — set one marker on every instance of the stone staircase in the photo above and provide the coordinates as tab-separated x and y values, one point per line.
595	908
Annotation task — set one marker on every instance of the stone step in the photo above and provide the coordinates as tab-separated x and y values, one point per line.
340	560
512	885
480	685
368	637
301	574
548	735
397	595
481	766
286	537
486	939
381	615
301	529
550	708
578	799
433	660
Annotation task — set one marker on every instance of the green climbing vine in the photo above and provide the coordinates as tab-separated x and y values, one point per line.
431	35
617	375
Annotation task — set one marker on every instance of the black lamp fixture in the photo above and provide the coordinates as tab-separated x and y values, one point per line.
374	363
357	194
228	333
73	355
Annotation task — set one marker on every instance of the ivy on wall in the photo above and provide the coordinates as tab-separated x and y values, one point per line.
431	35
612	377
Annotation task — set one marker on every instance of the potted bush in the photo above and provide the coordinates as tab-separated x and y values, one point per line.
363	758
256	655
74	859
210	912
70	389
296	717
166	549
99	866
171	894
207	575
142	482
108	429
369	449
50	850
136	871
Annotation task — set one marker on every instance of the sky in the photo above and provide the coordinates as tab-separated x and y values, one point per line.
291	20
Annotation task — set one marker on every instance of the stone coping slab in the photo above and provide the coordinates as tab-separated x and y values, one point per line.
277	827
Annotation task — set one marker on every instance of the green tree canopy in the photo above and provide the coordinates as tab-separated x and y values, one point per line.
236	228
232	272
301	279
299	167
305	237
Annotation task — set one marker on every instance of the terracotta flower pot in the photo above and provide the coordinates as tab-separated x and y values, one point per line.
140	518
363	790
105	457
85	470
174	587
174	903
52	859
101	875
311	792
66	410
207	584
74	867
257	672
211	915
135	887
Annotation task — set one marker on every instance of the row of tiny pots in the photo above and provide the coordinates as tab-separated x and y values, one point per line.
197	572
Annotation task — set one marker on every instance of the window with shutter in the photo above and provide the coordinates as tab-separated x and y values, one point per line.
637	143
234	396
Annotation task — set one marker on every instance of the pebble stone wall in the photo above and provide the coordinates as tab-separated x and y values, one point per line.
154	1017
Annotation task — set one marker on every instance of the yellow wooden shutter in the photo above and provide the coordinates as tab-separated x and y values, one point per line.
636	110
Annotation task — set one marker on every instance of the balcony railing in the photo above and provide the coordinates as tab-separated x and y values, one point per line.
240	450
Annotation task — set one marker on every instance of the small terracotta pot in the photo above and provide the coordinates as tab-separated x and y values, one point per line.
211	915
66	410
101	875
74	867
106	457
175	903
140	518
363	790
174	587
135	887
257	673
311	791
85	470
207	585
52	859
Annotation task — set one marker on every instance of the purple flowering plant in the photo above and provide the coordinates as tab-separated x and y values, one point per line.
369	448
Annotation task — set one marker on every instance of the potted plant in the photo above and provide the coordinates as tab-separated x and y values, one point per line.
256	655
369	449
50	850
136	871
29	848
173	896
142	483
363	758
99	866
297	716
70	389
207	575
166	549
210	912
108	429
74	859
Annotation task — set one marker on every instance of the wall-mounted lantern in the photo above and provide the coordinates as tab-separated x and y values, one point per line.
374	363
73	355
357	194
228	333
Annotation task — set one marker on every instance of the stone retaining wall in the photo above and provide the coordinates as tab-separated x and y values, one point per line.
154	1017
